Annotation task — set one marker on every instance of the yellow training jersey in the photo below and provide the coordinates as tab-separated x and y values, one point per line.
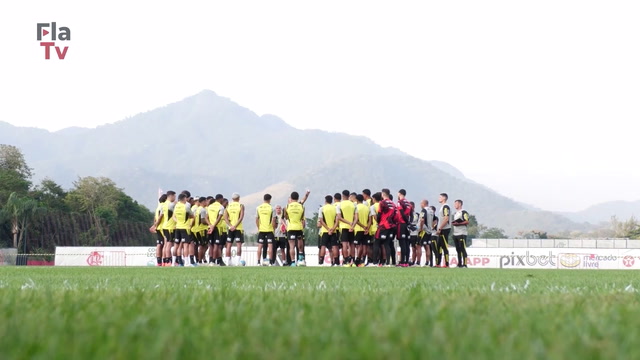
264	213
182	212
234	209
213	211
363	216
328	213
295	212
195	222
374	223
347	211
168	223
158	215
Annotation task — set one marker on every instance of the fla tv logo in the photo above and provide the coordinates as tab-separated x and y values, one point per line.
54	33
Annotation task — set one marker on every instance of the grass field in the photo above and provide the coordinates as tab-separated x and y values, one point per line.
317	313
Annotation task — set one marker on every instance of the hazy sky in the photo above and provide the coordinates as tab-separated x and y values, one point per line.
538	100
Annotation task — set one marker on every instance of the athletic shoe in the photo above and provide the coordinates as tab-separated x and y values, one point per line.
465	266
353	265
193	265
302	263
212	264
293	264
361	265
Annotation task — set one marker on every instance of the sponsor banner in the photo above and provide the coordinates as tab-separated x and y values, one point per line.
499	258
557	258
146	256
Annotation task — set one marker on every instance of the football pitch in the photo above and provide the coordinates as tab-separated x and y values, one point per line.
317	313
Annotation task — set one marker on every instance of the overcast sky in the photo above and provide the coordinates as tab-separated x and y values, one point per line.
539	100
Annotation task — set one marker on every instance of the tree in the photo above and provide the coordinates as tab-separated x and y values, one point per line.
11	159
493	233
311	230
474	229
50	195
98	198
20	211
14	173
625	229
533	234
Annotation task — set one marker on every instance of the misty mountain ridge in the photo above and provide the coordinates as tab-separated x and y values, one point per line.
228	148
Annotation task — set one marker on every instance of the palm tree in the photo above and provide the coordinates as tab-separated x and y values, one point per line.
20	211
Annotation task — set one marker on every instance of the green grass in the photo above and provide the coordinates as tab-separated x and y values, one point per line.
317	313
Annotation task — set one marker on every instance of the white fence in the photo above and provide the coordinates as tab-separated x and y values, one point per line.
558	243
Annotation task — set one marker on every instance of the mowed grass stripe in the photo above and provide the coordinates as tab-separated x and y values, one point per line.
317	313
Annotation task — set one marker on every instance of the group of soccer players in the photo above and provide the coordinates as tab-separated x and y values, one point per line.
360	228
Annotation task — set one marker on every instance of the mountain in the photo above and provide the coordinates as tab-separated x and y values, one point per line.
603	212
208	144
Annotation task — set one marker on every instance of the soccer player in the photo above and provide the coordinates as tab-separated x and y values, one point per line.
366	194
386	223
413	235
361	231
434	236
327	217
224	230
280	233
424	233
195	229
403	219
375	250
157	228
233	217
265	222
444	229
181	215
294	213
460	222
200	228
215	214
394	234
168	227
347	218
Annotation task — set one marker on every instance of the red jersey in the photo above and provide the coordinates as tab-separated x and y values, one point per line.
387	210
404	211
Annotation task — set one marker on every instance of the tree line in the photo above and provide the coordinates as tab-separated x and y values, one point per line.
35	218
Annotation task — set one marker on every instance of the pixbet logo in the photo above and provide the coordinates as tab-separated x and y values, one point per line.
514	260
62	34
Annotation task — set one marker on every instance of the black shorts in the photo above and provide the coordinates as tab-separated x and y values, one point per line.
295	235
425	240
386	235
235	236
182	236
358	238
168	235
265	237
413	240
347	236
159	238
281	242
329	241
403	232
195	237
393	232
215	238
